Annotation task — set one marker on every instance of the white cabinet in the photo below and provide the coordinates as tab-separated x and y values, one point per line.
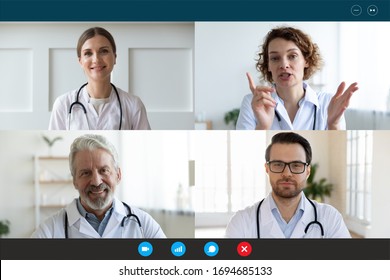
53	185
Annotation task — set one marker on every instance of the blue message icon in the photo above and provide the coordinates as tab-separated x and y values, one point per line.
178	249
145	249
211	249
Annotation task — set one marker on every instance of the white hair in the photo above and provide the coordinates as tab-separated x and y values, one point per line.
91	142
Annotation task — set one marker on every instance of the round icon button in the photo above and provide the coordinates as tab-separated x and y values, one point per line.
145	249
244	249
211	249
372	10
178	249
356	10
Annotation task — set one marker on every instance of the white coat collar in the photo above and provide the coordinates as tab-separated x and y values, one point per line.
310	96
74	218
269	227
307	217
73	213
268	223
118	213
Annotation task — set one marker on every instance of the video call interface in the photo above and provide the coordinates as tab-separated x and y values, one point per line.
260	150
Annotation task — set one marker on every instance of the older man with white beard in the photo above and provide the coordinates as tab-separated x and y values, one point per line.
97	213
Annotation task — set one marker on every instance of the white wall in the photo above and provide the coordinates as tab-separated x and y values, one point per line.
363	49
380	225
156	163
337	141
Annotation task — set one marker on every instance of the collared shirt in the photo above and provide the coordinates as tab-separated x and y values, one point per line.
98	225
312	106
287	228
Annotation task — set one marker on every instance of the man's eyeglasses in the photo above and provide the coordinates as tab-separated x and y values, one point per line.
296	167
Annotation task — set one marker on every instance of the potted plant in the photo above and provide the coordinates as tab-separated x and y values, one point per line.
4	227
232	116
317	190
50	142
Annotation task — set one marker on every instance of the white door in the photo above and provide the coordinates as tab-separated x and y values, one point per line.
39	63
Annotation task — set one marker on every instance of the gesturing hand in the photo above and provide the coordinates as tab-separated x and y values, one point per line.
339	103
263	105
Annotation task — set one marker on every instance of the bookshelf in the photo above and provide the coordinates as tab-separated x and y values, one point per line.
52	184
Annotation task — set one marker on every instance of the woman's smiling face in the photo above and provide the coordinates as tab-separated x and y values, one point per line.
97	58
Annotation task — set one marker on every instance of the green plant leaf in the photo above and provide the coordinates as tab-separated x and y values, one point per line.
317	189
232	116
51	142
4	227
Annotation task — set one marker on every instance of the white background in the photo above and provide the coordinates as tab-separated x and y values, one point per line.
109	269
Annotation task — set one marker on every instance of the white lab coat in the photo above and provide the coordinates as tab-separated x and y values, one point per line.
78	226
243	223
304	118
133	113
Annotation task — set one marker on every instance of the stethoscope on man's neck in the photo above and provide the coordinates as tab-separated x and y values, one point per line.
128	216
315	221
77	102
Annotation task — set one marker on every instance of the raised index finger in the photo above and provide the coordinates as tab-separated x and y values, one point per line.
252	85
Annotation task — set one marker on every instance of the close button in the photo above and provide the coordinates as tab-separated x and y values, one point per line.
372	10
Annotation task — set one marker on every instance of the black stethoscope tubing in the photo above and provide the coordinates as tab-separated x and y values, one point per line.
128	216
307	227
315	116
77	102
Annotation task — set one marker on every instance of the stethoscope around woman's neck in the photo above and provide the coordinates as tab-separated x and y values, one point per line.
77	102
315	221
315	115
128	216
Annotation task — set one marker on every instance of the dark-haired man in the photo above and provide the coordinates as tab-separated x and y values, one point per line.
286	212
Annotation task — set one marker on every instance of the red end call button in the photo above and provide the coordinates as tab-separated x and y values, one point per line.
244	249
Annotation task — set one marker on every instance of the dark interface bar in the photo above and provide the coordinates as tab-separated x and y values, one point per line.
194	10
195	249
